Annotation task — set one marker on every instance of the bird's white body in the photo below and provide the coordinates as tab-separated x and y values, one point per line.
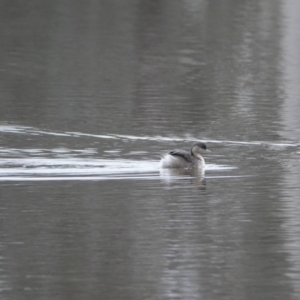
184	159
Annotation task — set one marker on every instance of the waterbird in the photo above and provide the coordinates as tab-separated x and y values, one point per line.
178	158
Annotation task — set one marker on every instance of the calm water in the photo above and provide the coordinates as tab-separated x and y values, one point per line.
92	94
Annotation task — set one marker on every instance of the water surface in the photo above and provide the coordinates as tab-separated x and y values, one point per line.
92	95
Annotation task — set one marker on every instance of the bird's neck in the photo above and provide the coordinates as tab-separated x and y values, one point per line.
198	156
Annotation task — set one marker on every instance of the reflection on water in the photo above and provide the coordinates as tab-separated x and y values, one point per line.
195	176
92	94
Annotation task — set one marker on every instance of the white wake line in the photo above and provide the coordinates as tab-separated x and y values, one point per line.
105	171
184	139
99	178
40	164
74	171
81	178
98	162
30	130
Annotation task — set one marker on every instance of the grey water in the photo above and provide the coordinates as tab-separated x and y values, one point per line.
93	93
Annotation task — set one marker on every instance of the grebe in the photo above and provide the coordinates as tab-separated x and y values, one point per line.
184	159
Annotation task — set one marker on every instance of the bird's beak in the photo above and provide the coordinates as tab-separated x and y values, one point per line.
208	150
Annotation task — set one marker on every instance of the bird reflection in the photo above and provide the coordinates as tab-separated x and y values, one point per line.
195	176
